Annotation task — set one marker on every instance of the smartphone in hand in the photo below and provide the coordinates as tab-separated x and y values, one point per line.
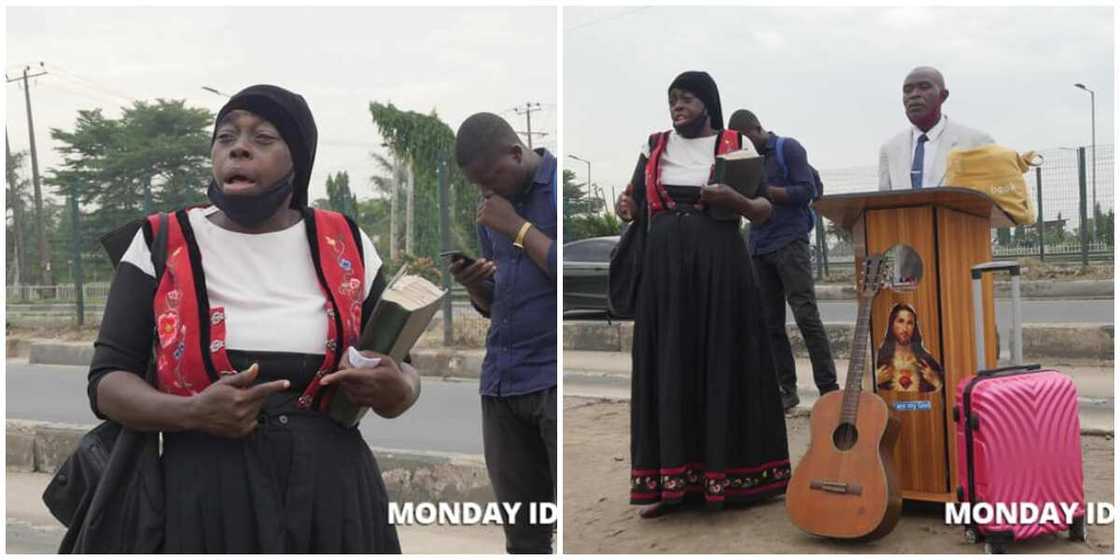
453	256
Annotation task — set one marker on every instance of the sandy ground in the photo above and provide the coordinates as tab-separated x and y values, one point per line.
599	519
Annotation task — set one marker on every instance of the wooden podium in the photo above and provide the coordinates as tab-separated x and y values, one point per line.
950	229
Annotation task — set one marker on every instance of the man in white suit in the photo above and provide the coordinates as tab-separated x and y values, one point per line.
915	158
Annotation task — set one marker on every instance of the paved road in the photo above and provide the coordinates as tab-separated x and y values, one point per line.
1034	311
606	375
447	418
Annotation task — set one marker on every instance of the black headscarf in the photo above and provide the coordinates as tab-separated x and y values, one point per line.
291	116
704	87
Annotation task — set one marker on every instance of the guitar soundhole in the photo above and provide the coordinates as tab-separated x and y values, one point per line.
845	436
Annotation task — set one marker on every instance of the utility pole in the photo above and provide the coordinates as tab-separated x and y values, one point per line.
528	112
44	256
445	245
16	203
394	225
410	202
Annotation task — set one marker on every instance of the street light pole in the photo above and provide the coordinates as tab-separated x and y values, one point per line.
214	91
1093	121
590	189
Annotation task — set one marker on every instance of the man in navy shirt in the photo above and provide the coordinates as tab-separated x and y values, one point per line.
514	284
780	248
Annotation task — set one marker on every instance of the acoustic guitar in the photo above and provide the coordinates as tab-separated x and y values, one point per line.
845	486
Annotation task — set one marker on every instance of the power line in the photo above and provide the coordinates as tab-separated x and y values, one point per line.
529	108
605	18
59	69
44	255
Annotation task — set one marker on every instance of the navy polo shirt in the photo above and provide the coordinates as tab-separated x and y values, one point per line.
521	343
792	220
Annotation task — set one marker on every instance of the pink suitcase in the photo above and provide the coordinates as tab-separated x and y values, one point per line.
1018	439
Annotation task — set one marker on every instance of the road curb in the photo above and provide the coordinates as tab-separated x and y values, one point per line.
1041	341
801	411
410	476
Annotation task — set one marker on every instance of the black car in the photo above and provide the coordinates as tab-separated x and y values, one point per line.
586	263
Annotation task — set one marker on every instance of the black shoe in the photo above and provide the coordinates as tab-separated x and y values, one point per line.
789	400
828	390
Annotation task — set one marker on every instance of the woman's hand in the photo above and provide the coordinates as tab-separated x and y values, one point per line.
624	207
757	209
719	194
229	407
388	388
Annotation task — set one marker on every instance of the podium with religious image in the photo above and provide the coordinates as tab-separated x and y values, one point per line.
922	327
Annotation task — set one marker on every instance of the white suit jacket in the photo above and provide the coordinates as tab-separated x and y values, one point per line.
897	155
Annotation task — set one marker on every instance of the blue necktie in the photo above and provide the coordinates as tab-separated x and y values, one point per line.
919	160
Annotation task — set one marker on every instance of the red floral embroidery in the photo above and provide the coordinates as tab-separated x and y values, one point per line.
656	195
168	328
672	484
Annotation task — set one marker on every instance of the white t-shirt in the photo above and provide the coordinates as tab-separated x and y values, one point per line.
266	282
688	161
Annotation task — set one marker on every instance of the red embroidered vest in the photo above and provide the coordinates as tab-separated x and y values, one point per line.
192	334
656	196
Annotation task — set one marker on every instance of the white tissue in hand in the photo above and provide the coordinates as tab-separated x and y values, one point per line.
357	360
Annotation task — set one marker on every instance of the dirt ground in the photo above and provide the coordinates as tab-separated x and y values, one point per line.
599	519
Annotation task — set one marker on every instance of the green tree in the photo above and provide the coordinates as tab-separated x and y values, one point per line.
583	214
339	197
18	205
592	225
155	156
424	142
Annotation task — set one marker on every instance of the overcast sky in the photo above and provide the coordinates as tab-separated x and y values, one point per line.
832	77
456	60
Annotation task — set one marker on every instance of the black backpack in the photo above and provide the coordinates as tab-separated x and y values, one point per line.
109	492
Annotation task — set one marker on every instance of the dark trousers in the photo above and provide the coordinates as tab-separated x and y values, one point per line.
786	275
519	438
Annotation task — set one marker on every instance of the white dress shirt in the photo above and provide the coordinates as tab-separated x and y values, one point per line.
933	139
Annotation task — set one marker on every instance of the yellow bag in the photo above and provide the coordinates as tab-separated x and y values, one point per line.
997	172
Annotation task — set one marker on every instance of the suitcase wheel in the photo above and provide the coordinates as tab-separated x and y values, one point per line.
995	548
960	493
1079	531
971	536
956	413
974	421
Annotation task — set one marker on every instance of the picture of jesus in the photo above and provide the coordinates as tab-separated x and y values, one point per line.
903	364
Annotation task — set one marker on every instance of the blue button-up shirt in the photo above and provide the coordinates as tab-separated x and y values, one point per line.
791	220
521	344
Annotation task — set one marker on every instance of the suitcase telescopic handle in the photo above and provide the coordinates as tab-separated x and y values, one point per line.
1008	370
978	271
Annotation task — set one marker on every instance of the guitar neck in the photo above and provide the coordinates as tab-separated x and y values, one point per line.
857	364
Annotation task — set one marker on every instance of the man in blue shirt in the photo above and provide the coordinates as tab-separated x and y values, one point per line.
514	284
780	248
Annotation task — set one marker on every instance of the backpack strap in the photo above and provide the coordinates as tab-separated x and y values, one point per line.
780	151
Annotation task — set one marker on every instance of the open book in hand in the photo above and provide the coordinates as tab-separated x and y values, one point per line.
398	320
741	170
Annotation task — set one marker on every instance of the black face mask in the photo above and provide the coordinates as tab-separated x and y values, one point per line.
692	129
251	210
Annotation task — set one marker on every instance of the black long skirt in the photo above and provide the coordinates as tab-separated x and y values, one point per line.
301	483
706	416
